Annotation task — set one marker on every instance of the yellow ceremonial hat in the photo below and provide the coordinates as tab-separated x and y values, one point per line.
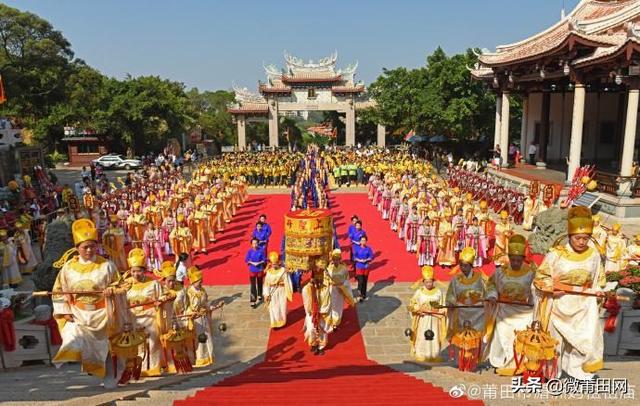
616	227
18	224
83	230
180	217
3	233
336	253
469	196
427	272
596	217
483	204
467	255
504	214
167	270
136	204
195	274
137	258
274	257
517	245
321	263
152	198
579	220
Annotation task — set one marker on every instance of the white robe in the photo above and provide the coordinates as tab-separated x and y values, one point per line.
573	319
513	286
312	335
84	340
146	317
198	300
277	290
339	289
424	350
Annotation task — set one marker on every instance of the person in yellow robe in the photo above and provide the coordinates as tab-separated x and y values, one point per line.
145	297
339	288
82	317
23	244
315	298
599	236
511	306
180	237
277	290
503	231
136	223
446	251
428	319
199	310
568	285
200	221
632	255
615	246
467	288
11	276
531	208
113	240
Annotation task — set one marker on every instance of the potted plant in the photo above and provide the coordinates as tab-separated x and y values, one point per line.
628	278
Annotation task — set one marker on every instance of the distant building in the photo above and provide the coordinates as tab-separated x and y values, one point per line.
83	146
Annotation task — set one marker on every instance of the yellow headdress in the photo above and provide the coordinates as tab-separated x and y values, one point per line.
336	253
321	263
427	272
467	255
616	227
637	238
469	196
483	204
274	257
83	230
194	274
3	233
517	245
504	214
167	269
180	218
137	258
596	217
136	204
579	220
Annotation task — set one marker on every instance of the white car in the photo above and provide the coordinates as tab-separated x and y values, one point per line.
117	162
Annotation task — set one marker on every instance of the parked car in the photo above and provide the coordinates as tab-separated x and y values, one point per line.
117	162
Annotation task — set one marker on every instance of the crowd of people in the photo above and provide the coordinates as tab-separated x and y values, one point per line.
105	297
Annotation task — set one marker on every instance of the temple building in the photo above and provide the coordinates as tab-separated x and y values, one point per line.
579	81
301	87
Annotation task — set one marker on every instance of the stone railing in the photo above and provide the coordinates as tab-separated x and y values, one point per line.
609	183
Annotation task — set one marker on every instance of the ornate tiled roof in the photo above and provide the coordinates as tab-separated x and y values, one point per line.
359	88
274	88
249	108
306	77
593	22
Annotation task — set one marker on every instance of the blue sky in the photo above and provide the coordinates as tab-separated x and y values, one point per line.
212	43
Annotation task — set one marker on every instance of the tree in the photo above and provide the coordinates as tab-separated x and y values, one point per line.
210	113
35	62
439	98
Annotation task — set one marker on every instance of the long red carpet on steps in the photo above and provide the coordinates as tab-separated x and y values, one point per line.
291	375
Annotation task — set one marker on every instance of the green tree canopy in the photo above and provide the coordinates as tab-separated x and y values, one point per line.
439	98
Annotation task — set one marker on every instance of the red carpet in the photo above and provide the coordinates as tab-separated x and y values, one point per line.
224	264
291	375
